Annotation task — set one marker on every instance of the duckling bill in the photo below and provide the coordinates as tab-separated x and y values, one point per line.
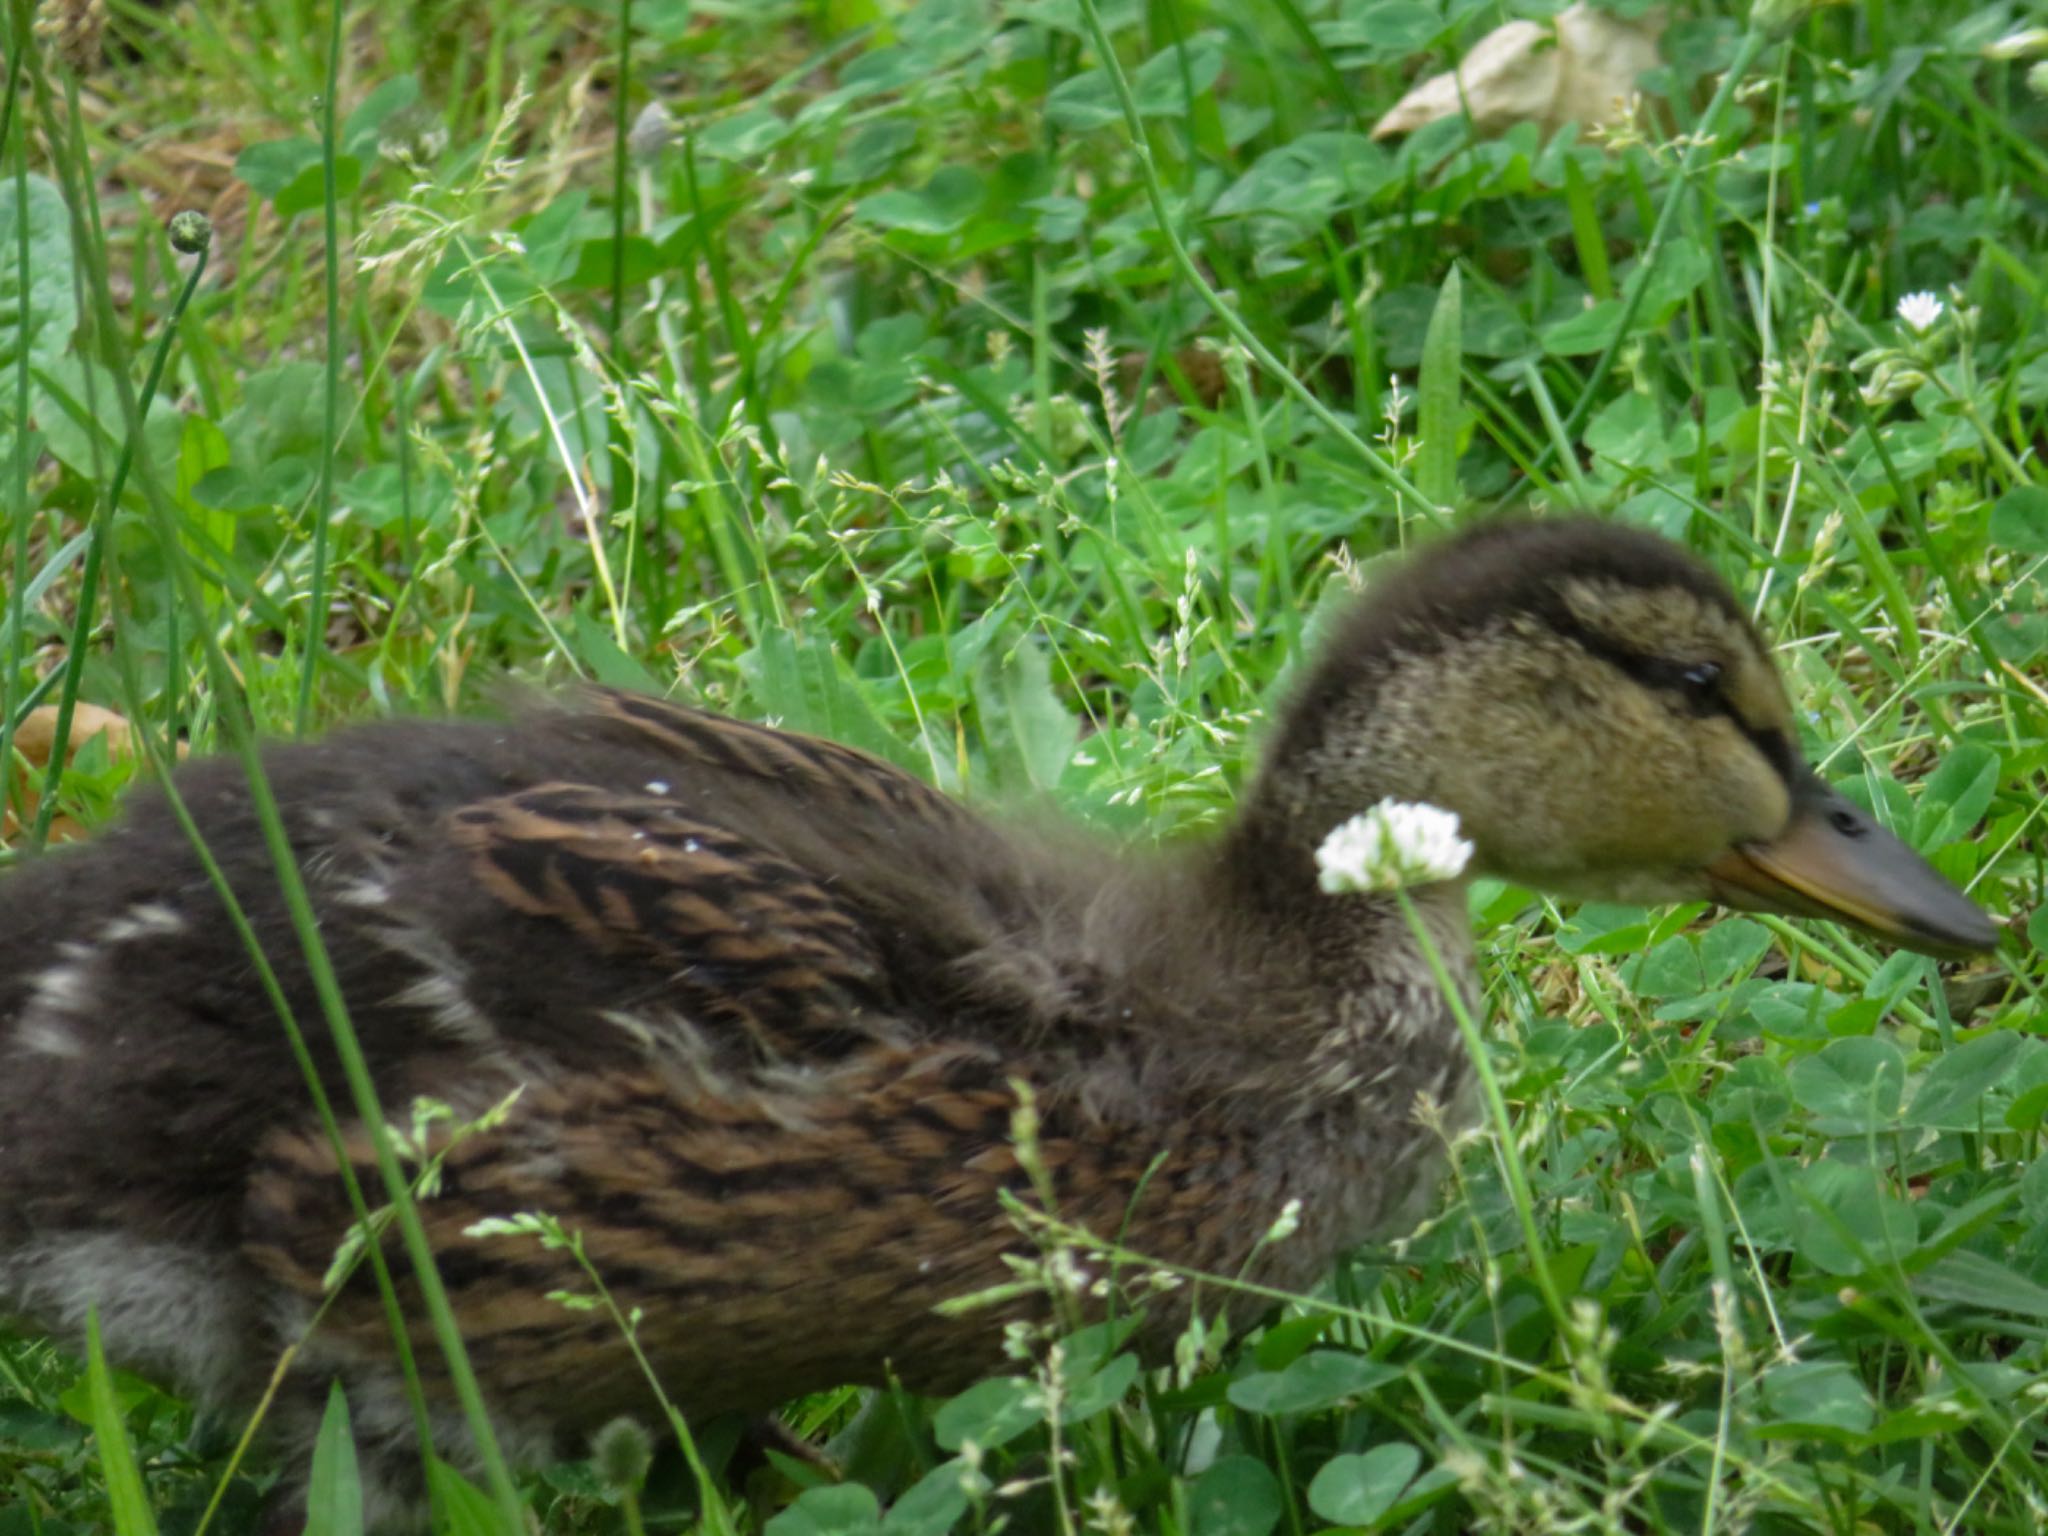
766	1000
1832	860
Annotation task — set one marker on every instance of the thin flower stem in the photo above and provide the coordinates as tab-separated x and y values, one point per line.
323	507
1701	143
81	630
18	503
1228	318
1497	1111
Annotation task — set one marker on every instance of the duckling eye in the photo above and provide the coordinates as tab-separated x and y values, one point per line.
1702	682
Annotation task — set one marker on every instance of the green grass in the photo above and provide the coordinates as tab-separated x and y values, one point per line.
897	395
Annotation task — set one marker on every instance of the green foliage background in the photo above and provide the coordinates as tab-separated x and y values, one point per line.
909	374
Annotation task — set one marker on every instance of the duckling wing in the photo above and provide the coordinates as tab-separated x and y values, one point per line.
810	769
745	938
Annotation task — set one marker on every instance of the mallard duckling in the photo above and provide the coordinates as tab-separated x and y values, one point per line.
767	997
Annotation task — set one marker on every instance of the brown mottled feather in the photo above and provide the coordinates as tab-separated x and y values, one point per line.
767	1001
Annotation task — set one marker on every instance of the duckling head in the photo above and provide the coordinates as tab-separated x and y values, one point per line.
1606	722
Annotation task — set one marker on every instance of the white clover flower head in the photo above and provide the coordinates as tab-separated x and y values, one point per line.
1919	311
1394	844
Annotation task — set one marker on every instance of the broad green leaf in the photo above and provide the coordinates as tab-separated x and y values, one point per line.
1237	1496
1852	1086
1957	793
933	1504
275	164
1681	267
1386	31
1601	928
1815	1395
2019	520
745	135
1630	430
1099	1389
1670	970
1844	1221
1587	332
594	262
1309	178
610	665
837	1509
360	133
308	189
24	1427
1792	1010
1031	735
463	1509
938	207
51	313
79	410
989	1413
803	685
1971	1279
1320	1379
1160	86
1358	1489
1730	949
2017	636
1950	1095
942	32
1169	83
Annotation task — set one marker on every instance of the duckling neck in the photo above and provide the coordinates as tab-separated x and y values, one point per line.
1359	953
1270	875
1350	1024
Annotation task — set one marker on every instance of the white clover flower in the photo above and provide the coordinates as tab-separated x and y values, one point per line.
1392	845
1919	311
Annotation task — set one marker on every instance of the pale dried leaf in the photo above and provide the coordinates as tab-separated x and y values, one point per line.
1581	69
37	733
34	738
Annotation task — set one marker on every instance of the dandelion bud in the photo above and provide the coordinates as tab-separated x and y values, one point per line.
191	232
620	1454
652	132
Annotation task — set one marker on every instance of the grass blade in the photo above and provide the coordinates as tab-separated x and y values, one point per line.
127	1499
334	1495
1443	346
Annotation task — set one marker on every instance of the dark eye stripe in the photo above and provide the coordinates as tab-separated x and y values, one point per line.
1777	749
1683	678
1667	675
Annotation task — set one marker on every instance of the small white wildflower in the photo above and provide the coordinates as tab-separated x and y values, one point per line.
1062	1270
1392	845
1919	311
1286	1224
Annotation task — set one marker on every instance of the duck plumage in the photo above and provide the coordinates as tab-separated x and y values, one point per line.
766	1003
